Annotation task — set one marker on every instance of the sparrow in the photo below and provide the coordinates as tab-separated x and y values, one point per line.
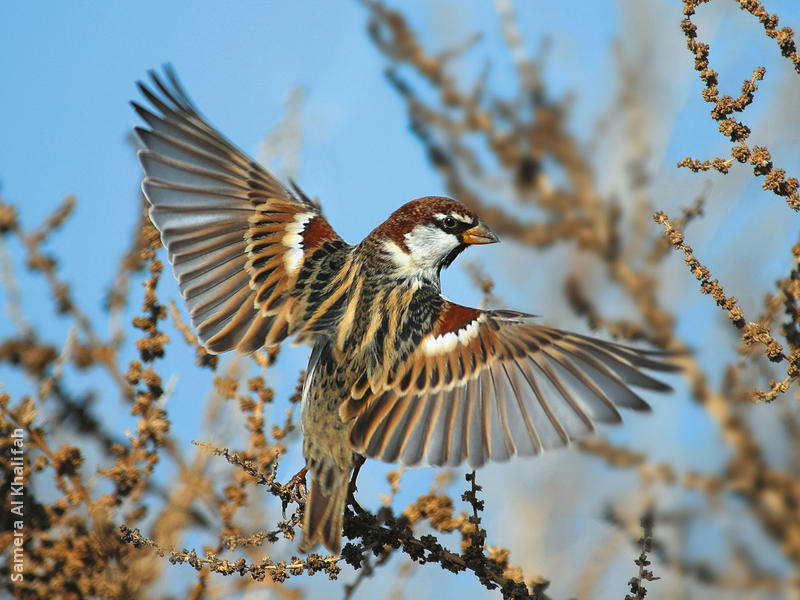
397	371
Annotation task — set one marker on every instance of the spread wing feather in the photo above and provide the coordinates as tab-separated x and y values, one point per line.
233	233
491	385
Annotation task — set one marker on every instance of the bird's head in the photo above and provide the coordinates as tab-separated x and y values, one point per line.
425	235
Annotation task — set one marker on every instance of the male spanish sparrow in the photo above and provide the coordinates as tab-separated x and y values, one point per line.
397	372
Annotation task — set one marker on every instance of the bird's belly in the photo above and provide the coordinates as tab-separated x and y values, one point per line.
327	386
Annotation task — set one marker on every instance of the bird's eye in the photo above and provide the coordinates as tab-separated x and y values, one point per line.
449	223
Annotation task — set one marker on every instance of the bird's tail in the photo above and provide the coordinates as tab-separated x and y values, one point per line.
324	512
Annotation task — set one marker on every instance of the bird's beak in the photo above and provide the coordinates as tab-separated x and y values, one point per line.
480	234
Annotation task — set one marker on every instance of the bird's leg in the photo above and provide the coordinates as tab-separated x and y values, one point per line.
351	498
297	488
297	484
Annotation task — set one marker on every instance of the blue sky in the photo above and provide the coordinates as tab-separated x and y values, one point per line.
64	118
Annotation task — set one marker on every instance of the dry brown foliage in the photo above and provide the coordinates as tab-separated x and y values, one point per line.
99	524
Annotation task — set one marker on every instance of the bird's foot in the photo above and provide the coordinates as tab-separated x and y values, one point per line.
297	485
298	491
353	488
351	500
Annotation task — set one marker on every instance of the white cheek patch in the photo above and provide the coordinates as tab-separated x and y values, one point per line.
428	245
293	240
448	342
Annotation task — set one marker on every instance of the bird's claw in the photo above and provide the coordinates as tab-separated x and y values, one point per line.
353	488
351	500
296	486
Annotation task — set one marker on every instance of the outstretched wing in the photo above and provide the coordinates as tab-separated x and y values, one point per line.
488	385
237	239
